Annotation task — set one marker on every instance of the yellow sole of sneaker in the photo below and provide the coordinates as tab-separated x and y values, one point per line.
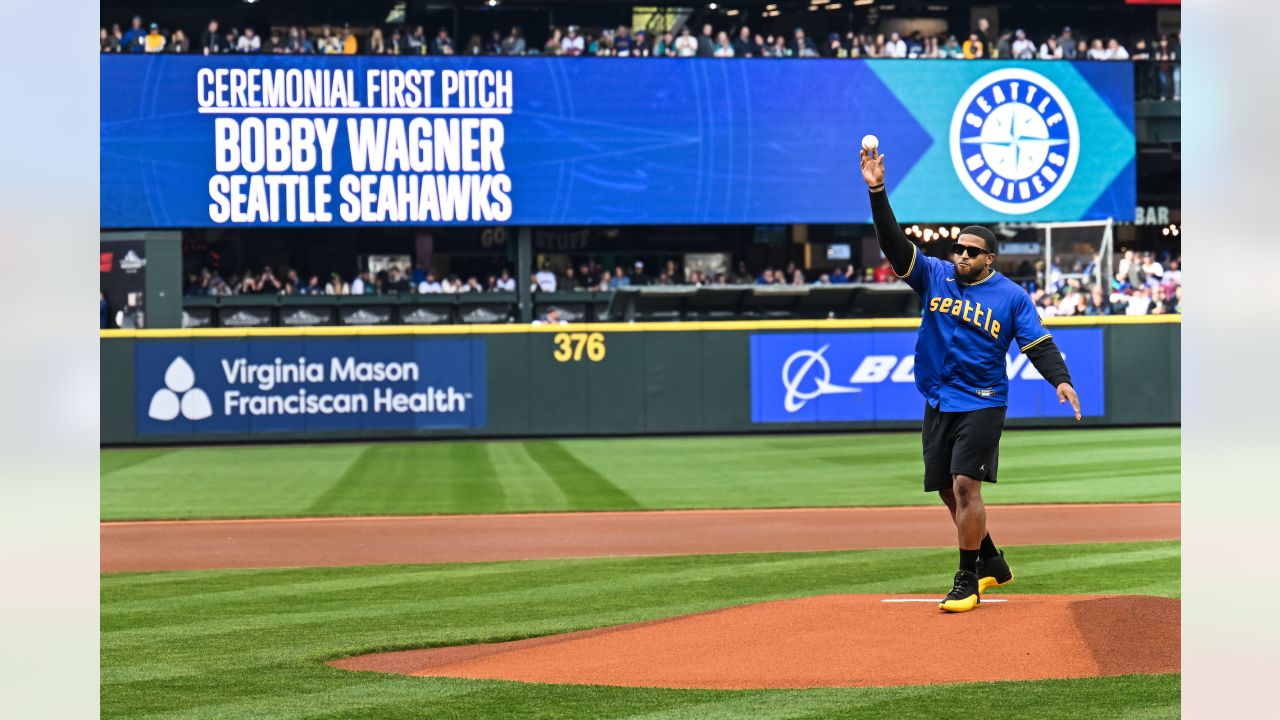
986	583
961	605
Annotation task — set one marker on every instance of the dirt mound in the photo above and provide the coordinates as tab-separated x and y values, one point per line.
832	641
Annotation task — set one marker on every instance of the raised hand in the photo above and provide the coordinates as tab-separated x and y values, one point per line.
872	167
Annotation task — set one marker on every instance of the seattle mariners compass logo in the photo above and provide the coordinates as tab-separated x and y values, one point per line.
1014	141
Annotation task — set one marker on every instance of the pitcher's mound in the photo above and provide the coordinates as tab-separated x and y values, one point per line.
832	641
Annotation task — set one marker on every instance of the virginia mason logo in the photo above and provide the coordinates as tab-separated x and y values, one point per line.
1014	141
179	396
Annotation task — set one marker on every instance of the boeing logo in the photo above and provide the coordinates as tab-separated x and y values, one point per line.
1014	141
796	370
806	374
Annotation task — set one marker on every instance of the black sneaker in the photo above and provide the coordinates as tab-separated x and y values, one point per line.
964	593
993	572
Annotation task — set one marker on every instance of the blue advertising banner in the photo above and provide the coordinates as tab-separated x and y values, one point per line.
869	376
309	384
193	141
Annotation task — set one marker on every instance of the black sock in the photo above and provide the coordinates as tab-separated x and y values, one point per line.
988	549
969	560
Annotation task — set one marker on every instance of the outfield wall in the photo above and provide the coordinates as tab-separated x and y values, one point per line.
229	385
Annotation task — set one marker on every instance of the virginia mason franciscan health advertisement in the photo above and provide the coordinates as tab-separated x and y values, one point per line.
191	141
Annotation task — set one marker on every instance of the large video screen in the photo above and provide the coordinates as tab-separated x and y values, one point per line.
193	141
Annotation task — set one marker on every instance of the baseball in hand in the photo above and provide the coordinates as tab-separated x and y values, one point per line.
870	142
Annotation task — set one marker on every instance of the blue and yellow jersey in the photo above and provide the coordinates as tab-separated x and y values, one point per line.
965	333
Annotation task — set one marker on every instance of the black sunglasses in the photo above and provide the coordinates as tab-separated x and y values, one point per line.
972	251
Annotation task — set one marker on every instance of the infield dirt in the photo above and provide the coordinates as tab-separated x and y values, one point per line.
314	542
832	641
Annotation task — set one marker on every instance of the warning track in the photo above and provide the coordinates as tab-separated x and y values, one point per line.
340	541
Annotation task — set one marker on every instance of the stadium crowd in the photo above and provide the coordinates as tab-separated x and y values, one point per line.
1143	284
736	41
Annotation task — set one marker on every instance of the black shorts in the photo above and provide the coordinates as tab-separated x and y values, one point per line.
960	443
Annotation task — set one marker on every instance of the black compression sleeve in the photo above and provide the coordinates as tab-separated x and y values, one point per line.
1047	359
893	242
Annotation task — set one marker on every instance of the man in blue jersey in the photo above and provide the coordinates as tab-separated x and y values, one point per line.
971	314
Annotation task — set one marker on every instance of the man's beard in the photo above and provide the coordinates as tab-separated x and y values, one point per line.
973	273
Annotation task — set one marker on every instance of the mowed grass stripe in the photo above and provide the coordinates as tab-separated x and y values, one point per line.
216	644
583	487
282	595
413	478
454	477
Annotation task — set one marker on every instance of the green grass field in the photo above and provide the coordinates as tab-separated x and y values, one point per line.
252	644
1036	466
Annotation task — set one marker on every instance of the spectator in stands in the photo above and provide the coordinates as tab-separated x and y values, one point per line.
802	46
1004	46
951	49
1023	48
475	46
249	42
1050	49
797	277
267	282
974	48
471	286
546	278
494	46
573	44
514	43
722	47
416	43
706	41
336	286
664	45
983	31
178	42
211	41
766	277
506	283
555	42
442	44
275	44
895	48
638	276
313	286
292	282
1166	64
1096	51
135	37
551	317
1067	42
619	279
623	43
395	45
1098	303
884	272
1115	51
1140	302
377	45
686	45
429	285
398	281
743	46
109	42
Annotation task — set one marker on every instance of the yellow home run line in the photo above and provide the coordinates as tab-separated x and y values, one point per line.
615	327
